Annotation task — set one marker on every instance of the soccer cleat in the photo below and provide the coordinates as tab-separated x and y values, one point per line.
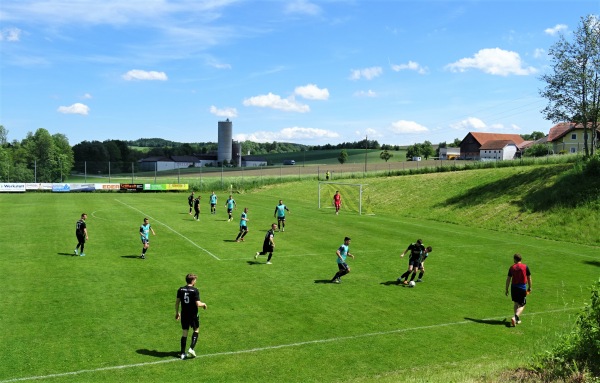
82	255
256	255
268	263
143	256
192	352
75	251
419	280
182	356
283	229
513	322
405	283
336	280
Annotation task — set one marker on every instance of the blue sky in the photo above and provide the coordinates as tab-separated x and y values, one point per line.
304	71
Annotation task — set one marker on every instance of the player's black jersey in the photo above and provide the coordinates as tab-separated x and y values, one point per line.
415	251
188	296
196	203
267	241
80	227
191	199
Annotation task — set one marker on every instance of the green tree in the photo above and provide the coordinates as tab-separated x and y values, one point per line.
573	84
385	155
343	157
427	150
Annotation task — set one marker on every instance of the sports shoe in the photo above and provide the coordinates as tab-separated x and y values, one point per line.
192	352
518	322
283	229
143	256
82	255
336	280
256	255
419	280
182	356
75	251
513	321
405	283
268	263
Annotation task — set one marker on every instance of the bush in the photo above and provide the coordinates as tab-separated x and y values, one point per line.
592	167
578	354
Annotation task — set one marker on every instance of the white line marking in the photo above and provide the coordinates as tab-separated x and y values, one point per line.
173	230
268	348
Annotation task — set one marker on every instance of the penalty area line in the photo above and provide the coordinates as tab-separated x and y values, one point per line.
269	348
173	230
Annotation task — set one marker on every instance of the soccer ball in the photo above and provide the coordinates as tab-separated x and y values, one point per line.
411	284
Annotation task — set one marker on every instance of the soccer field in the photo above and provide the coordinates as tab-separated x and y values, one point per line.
109	316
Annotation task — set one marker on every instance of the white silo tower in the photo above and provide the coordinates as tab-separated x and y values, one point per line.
225	141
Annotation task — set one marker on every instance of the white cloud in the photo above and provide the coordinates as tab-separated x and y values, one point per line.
10	34
470	123
87	96
366	73
312	92
410	66
539	53
403	126
141	75
216	64
365	93
226	112
494	61
555	29
303	7
288	134
76	108
276	102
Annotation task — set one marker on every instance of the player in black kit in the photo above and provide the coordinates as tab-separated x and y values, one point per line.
191	202
188	297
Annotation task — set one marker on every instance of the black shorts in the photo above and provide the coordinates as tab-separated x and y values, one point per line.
343	266
268	249
229	210
281	218
190	320
243	228
415	263
80	237
518	295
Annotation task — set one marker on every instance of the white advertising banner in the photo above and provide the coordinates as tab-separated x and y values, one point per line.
12	187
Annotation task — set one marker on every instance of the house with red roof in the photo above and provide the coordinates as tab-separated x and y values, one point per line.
567	137
470	146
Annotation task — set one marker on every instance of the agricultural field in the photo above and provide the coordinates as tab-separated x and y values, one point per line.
109	316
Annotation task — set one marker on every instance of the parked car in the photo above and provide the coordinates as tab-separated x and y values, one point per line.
289	162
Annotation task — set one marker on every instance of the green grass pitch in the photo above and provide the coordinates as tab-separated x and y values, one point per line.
109	316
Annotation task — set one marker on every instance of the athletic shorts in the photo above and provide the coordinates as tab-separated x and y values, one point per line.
268	249
415	263
188	321
343	266
213	204
518	295
229	210
281	218
145	240
80	238
243	228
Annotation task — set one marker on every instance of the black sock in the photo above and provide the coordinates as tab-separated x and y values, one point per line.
82	247
144	250
421	274
238	236
336	276
243	235
269	259
405	275
194	340
183	342
412	277
517	317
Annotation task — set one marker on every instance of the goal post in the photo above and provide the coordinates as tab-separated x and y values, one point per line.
353	196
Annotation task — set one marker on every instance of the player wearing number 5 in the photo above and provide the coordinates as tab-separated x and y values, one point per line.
188	297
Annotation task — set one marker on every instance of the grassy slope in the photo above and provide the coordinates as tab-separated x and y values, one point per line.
540	201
